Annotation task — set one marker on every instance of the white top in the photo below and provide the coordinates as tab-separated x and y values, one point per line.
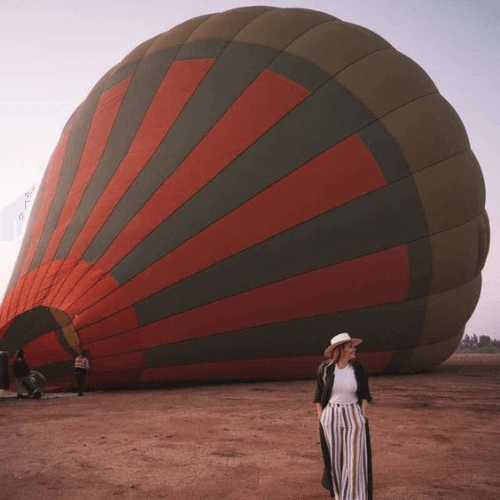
344	386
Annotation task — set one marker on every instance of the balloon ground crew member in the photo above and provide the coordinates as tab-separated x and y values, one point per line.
81	367
23	375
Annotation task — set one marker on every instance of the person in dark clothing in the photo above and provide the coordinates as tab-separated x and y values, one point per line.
23	375
342	398
81	367
4	370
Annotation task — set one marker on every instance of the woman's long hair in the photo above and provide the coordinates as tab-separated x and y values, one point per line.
334	357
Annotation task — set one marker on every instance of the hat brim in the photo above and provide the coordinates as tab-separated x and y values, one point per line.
331	347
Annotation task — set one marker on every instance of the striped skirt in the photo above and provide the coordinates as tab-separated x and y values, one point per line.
344	429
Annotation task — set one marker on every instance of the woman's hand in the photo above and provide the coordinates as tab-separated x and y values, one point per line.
364	408
319	410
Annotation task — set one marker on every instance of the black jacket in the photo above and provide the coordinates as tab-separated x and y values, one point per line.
324	387
21	368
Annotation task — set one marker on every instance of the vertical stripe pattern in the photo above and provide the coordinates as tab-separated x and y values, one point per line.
345	432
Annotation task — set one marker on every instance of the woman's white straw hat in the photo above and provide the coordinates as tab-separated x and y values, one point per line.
341	338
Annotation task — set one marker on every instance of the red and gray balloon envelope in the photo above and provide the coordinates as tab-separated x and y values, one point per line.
238	190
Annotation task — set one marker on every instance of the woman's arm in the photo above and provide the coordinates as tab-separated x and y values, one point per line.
319	391
319	409
363	391
364	407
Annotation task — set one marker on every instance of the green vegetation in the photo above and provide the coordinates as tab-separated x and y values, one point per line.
483	344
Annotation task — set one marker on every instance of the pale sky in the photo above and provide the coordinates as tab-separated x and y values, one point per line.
54	51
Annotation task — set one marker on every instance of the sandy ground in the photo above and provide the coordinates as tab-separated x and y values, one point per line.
435	436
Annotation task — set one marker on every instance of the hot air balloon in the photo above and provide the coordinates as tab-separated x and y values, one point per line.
238	190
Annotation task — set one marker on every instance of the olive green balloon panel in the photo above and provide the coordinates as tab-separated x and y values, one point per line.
237	191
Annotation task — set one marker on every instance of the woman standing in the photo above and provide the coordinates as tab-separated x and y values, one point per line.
342	398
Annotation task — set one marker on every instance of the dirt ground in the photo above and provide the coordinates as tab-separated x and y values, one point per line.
435	436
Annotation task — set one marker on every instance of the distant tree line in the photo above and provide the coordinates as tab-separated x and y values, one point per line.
480	344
